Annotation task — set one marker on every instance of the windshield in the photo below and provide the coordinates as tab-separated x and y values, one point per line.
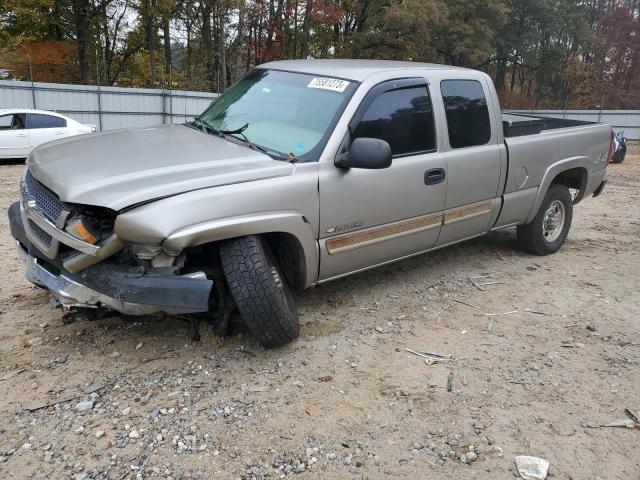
289	113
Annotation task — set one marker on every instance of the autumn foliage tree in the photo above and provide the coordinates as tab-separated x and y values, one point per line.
540	53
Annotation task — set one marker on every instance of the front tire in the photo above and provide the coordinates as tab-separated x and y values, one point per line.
550	227
260	290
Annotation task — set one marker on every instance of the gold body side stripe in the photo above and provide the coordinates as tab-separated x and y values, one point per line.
372	235
389	231
467	211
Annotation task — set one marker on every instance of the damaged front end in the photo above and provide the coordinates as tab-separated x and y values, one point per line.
73	251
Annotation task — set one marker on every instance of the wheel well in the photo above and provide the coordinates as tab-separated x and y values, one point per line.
575	178
290	256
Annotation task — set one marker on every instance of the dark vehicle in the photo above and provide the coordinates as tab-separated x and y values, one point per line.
619	148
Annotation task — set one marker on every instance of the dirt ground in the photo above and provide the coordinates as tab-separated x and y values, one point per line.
138	399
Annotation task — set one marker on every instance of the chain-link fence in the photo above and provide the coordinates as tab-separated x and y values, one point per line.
135	74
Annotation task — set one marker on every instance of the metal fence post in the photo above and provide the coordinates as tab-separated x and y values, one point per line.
98	93
33	90
170	95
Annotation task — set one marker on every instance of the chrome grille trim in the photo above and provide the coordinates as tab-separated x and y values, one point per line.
47	201
44	216
41	235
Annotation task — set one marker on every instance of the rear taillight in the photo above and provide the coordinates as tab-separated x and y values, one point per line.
611	148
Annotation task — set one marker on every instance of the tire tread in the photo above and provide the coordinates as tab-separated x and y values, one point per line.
270	317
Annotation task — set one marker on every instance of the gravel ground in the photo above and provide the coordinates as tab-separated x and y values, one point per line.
119	399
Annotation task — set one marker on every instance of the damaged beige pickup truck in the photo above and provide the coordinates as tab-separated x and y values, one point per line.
300	173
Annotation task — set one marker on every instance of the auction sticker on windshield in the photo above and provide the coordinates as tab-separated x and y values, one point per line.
333	84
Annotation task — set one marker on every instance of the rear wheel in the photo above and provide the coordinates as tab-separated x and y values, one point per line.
260	290
550	227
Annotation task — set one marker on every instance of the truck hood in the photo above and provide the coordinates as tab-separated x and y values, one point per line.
125	167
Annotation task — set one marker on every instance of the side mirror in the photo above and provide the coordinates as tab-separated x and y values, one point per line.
371	153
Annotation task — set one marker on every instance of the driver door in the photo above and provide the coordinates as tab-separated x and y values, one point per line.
369	217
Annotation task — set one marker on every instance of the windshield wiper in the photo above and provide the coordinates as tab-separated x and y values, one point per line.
238	133
205	127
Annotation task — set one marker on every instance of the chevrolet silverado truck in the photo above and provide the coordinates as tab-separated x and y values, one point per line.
302	172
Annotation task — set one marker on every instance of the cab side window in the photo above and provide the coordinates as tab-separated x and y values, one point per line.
14	121
37	120
403	118
467	113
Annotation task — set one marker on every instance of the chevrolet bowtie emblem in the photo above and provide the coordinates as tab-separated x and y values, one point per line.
31	203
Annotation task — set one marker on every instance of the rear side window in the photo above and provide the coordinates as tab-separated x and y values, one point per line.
12	122
467	113
37	120
403	118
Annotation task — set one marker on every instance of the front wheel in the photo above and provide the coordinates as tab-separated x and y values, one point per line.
260	291
550	227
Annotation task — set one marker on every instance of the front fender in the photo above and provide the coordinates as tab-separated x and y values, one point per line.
291	223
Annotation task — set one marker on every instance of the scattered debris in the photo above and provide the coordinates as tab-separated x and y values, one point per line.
475	284
632	415
40	405
325	378
532	468
489	283
92	388
12	374
488	325
84	406
632	422
429	354
311	409
501	314
528	310
625	423
450	382
465	303
443	310
431	358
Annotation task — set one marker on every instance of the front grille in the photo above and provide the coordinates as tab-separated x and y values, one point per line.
47	201
40	234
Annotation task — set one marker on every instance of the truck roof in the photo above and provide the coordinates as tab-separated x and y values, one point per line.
357	70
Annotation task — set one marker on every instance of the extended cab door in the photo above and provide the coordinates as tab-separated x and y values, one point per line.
14	141
45	128
368	217
473	156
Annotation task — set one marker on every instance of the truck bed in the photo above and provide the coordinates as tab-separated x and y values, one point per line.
517	125
536	146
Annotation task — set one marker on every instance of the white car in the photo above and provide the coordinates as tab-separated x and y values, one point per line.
22	129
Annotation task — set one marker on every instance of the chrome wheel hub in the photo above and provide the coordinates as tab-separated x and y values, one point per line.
553	222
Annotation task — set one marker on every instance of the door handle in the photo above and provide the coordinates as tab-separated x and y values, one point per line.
434	176
21	135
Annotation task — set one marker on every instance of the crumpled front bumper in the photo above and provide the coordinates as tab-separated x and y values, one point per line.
128	290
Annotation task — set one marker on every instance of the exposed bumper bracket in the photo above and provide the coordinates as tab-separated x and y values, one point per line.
114	287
